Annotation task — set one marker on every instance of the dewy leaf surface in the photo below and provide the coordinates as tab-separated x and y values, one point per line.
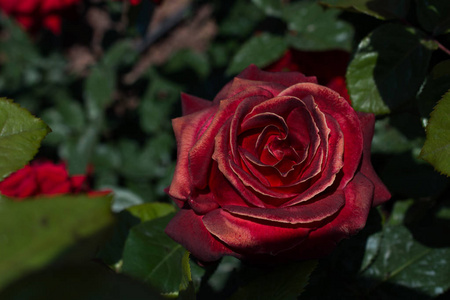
388	69
436	149
150	255
20	136
37	231
405	262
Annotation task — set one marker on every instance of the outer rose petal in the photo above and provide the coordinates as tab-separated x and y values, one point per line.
367	125
252	73
350	220
191	104
187	229
253	236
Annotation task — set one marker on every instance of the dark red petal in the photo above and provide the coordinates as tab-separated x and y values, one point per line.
350	220
191	104
252	235
329	169
337	107
316	211
367	125
187	130
187	228
238	85
252	72
202	150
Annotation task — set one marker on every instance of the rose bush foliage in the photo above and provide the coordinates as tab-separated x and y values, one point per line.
35	14
276	167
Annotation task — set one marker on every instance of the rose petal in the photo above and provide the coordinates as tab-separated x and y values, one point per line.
204	147
330	102
191	104
187	228
350	220
238	85
252	235
381	193
330	168
186	131
318	210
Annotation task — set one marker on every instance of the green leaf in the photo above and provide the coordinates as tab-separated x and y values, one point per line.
241	21
281	282
405	262
98	91
123	199
149	211
405	129
260	50
79	150
377	8
153	257
188	61
20	136
36	232
387	69
315	29
270	7
434	16
436	149
436	85
157	104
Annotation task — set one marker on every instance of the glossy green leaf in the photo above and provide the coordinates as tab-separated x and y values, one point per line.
377	8
434	15
20	136
281	282
436	149
270	7
387	69
123	199
36	232
149	211
260	50
436	84
407	263
153	257
314	29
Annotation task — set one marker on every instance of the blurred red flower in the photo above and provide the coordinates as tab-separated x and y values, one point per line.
45	178
35	14
329	67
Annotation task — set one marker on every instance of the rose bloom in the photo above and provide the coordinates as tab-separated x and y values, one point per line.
329	67
275	168
45	178
35	14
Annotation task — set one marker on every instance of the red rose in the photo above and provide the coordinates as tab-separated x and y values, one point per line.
277	167
329	67
34	14
43	178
